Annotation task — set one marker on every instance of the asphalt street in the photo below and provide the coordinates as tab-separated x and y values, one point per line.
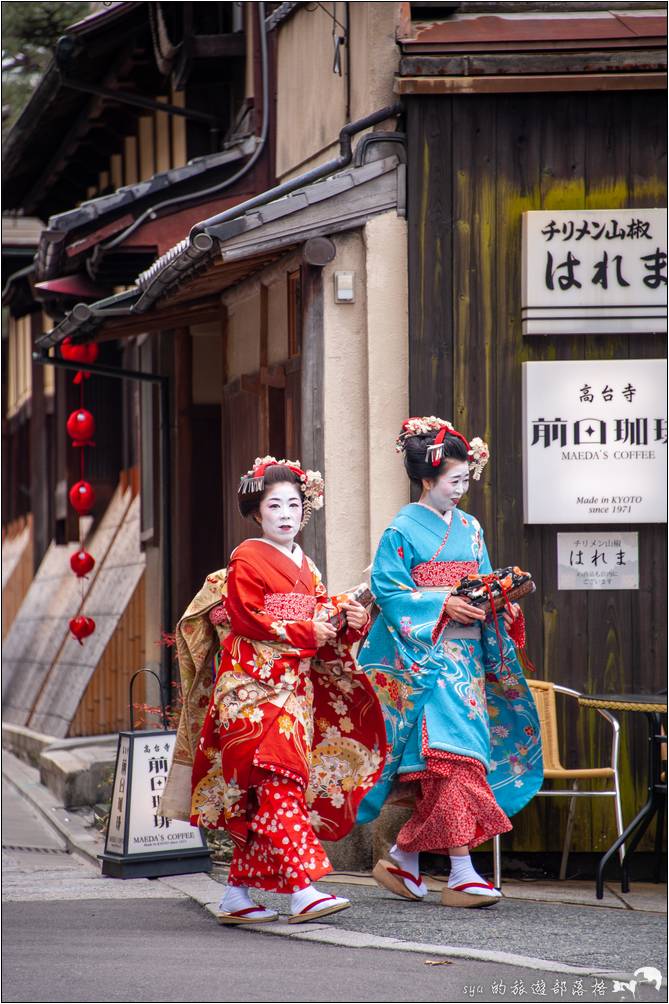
170	950
71	935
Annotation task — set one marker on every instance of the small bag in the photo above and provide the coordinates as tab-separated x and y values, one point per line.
503	586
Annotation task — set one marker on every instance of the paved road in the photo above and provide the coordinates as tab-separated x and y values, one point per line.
71	935
169	950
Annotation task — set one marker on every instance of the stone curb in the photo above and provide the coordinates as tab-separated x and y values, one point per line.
207	892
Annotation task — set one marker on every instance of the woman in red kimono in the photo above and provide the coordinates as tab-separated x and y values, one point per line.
293	735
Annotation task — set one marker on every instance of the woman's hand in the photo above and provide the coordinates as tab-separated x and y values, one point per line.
458	609
356	615
324	632
510	615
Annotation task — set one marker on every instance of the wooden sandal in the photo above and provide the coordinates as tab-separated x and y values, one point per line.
390	877
310	913
245	916
458	896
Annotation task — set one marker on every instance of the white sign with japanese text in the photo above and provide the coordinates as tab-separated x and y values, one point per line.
606	560
594	271
148	831
595	441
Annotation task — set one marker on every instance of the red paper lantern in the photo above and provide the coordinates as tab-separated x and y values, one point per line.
81	563
82	497
82	627
81	353
81	427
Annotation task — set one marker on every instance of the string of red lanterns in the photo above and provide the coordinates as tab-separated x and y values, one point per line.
81	430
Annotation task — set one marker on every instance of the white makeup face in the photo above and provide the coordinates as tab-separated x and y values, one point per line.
281	513
451	485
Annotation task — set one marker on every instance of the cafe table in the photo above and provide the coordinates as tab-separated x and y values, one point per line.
654	706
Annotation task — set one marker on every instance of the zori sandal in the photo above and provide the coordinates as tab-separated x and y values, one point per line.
458	895
395	880
250	915
320	908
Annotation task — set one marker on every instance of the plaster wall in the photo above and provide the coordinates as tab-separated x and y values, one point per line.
345	419
387	367
311	98
277	320
243	339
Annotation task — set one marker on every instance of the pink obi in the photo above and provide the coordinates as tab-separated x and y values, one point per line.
290	606
442	574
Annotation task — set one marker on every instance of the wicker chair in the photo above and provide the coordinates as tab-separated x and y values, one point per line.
544	693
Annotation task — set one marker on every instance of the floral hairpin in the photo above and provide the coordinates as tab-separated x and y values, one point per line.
478	452
419	427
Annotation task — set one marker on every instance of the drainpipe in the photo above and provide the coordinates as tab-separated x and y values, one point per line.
162	382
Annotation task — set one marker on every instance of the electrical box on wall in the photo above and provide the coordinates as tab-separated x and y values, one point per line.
344	287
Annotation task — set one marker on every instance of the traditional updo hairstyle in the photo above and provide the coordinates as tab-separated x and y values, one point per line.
249	500
418	462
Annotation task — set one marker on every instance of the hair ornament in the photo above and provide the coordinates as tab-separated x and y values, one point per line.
477	450
419	427
479	453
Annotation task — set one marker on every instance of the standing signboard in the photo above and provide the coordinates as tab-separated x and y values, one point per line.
140	842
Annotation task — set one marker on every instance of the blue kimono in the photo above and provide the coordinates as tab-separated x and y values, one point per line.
461	685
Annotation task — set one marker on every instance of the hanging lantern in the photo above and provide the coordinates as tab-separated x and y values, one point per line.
81	627
81	563
81	427
82	497
80	353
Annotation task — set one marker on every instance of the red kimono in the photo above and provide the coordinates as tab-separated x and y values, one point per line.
293	736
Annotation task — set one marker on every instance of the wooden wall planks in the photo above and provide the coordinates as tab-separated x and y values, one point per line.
475	165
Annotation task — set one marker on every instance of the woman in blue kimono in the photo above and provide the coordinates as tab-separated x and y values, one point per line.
460	720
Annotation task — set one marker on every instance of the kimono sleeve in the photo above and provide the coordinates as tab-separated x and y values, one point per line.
413	616
246	603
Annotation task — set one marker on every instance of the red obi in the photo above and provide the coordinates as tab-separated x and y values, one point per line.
290	606
444	574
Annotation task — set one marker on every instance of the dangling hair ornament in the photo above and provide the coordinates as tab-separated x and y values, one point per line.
477	450
311	483
480	455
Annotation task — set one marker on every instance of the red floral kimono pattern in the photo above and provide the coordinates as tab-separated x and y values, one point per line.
282	710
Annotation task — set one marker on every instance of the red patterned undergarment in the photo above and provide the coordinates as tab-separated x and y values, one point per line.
456	806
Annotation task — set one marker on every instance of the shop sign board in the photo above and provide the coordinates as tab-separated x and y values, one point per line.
594	271
595	441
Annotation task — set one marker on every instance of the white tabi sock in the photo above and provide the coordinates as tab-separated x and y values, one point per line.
236	897
463	871
303	898
408	861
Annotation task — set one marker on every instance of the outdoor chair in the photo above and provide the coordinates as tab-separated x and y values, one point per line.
544	693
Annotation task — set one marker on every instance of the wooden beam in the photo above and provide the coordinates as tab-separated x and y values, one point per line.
530	85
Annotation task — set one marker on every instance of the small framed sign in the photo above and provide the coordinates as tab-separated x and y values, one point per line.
604	560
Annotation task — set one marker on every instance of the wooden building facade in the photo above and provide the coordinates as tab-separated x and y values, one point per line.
481	152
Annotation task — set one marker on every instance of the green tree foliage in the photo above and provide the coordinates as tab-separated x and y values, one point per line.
29	34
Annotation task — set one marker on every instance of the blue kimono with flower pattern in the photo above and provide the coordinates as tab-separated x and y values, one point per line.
470	700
